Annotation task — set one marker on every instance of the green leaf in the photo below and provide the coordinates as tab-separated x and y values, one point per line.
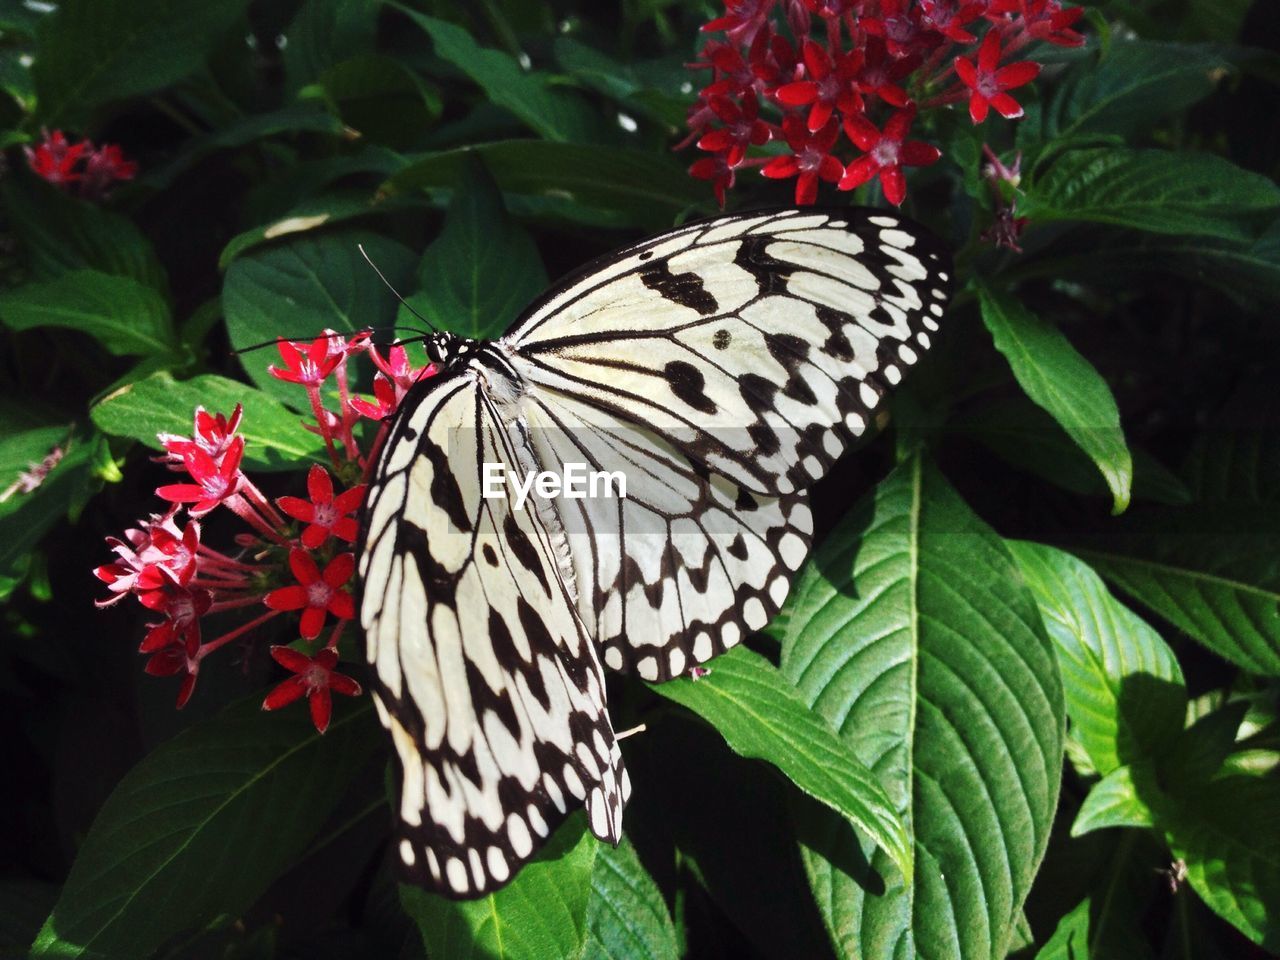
1134	84
651	191
92	52
326	32
1212	572
296	118
1124	689
1225	833
1025	436
201	826
761	716
627	918
483	269
554	114
315	214
912	633
1154	190
1070	940
1117	801
300	288
22	905
382	99
274	437
59	233
1061	381
26	517
541	913
125	316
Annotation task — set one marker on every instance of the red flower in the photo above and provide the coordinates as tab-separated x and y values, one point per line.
899	24
326	515
316	593
105	167
306	364
384	400
173	652
881	74
1045	20
989	81
948	18
212	433
399	370
716	169
742	128
886	154
831	85
315	679
810	159
742	20
214	482
54	159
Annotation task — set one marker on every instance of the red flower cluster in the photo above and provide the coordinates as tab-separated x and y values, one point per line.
90	171
294	555
836	65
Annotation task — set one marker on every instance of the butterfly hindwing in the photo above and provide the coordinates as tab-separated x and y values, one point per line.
483	670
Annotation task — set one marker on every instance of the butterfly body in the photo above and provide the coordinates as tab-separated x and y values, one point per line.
721	369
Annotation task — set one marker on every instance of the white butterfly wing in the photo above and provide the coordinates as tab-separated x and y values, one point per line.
483	670
761	345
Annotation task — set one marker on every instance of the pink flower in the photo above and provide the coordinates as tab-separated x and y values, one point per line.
315	679
384	400
886	154
316	594
810	158
948	18
989	81
742	19
325	515
214	481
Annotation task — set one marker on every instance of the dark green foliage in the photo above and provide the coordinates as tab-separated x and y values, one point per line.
995	719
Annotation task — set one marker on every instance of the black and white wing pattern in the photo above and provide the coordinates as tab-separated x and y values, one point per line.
725	367
720	369
483	671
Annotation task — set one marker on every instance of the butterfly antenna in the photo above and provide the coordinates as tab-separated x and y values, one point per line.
275	340
403	301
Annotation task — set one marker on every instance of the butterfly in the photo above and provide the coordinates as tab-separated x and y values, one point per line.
721	368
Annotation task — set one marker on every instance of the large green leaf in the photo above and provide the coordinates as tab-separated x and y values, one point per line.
59	233
650	191
1213	572
541	913
201	826
1124	689
556	114
627	918
274	436
760	715
1158	191
1057	378
92	52
1225	833
300	288
1135	83
912	633
482	269
125	316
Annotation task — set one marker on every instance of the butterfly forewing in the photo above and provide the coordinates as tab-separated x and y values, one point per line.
483	670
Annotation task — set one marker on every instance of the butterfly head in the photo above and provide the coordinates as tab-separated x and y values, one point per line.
447	349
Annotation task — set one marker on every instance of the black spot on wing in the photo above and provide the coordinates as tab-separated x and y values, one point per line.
541	645
721	339
524	551
688	384
444	488
685	289
489	554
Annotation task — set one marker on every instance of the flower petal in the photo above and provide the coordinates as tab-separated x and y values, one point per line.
286	598
304	567
319	486
290	658
1016	74
312	623
321	708
285	693
1007	106
894	184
